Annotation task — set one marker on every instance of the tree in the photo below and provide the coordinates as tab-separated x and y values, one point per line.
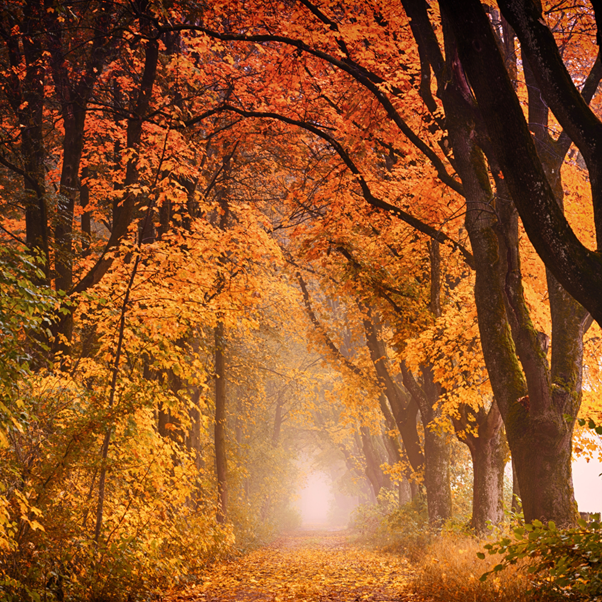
576	267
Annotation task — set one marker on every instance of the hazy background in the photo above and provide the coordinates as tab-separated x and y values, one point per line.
316	497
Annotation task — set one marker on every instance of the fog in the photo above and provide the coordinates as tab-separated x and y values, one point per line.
315	500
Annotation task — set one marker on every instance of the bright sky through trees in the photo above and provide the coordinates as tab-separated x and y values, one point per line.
315	499
588	484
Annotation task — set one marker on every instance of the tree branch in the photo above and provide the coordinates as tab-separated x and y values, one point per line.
370	198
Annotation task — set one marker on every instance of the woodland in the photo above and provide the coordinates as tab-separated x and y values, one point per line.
241	238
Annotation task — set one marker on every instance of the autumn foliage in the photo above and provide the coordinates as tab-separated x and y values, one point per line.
242	239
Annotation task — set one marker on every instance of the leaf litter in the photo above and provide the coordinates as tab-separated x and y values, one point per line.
318	566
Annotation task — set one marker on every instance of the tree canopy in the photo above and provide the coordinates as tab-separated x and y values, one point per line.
238	235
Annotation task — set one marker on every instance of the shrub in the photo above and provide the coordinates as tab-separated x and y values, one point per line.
565	562
398	528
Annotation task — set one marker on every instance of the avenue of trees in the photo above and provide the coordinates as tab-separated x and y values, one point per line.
237	233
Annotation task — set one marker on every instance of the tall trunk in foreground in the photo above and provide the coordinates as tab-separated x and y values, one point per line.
538	402
532	402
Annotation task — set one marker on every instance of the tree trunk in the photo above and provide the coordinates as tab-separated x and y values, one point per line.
516	504
124	208
544	470
538	436
488	452
436	447
532	399
403	406
578	268
278	419
436	444
488	486
26	95
193	441
395	452
405	492
436	476
374	472
220	424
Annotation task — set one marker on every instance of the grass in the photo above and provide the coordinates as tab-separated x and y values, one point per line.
449	571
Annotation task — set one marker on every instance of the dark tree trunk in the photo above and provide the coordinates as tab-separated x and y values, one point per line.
532	404
403	406
436	446
488	452
533	410
578	268
123	211
374	472
26	97
533	399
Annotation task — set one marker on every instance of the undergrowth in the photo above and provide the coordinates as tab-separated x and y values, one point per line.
566	563
402	529
450	571
446	565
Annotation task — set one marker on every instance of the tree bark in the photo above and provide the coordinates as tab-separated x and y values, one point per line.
403	406
374	472
436	476
578	269
124	208
220	425
532	407
488	453
26	97
436	446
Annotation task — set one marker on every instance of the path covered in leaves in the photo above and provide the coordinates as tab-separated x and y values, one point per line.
316	566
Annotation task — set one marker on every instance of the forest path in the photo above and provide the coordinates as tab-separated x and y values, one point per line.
318	566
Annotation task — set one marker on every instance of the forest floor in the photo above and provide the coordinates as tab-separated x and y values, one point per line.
317	566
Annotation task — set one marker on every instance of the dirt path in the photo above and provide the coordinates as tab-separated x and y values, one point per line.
308	565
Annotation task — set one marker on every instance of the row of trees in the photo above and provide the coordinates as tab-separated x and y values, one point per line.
362	85
190	192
